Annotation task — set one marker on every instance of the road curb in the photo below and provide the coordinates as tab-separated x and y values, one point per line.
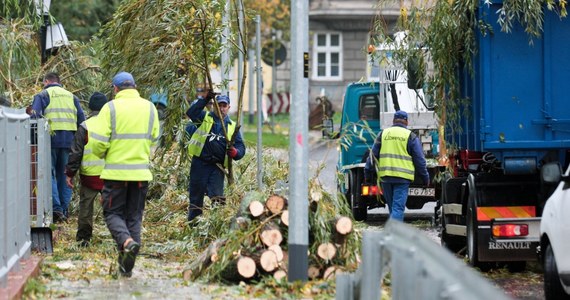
17	279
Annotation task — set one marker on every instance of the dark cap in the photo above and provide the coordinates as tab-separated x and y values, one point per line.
124	79
223	99
96	101
401	115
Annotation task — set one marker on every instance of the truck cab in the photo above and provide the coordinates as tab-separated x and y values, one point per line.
367	108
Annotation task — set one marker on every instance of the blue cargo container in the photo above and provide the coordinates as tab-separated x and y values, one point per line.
518	121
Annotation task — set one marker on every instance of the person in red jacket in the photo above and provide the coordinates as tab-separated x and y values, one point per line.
81	159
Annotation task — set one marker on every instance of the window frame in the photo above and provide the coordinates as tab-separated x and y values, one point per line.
328	50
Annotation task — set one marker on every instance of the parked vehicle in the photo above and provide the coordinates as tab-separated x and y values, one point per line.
367	108
519	123
554	233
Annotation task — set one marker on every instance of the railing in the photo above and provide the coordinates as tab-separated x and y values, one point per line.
40	182
25	185
420	269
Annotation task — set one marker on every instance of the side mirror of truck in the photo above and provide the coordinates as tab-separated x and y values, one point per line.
328	129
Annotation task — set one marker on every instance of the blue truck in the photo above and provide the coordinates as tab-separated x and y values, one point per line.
518	122
368	107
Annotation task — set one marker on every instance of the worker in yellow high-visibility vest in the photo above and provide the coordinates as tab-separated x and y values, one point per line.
89	166
399	154
210	151
63	112
125	130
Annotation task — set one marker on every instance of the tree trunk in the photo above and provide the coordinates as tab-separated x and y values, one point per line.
313	272
285	218
271	235
207	257
326	251
266	260
275	204
278	251
280	274
256	208
239	269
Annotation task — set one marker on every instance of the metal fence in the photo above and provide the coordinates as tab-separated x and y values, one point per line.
25	185
419	268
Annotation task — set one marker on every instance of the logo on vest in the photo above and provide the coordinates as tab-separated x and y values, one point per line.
388	137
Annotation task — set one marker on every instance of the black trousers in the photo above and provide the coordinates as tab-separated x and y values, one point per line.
123	207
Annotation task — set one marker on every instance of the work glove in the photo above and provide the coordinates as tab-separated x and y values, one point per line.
210	96
232	152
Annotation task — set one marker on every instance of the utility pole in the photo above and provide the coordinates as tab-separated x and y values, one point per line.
259	107
298	143
225	68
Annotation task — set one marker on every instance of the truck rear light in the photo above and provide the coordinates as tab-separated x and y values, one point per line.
371	190
510	230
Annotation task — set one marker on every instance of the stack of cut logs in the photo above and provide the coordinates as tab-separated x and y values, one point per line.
263	222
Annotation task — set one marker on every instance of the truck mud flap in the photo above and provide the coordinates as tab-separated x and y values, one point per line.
42	239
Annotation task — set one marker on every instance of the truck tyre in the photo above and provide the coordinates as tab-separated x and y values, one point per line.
452	242
552	287
358	211
472	235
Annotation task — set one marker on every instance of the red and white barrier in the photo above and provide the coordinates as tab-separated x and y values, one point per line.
281	103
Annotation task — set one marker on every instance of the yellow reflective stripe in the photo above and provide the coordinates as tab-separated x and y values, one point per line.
396	169
64	110
126	167
63	120
396	156
87	152
133	136
93	163
102	138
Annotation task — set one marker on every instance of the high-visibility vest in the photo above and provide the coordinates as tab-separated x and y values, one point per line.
394	159
126	127
61	111
196	144
91	165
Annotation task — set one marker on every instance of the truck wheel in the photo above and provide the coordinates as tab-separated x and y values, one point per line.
358	211
552	287
472	242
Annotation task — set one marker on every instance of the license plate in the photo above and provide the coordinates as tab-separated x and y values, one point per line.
430	192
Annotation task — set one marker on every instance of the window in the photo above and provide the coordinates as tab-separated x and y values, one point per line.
369	107
327	63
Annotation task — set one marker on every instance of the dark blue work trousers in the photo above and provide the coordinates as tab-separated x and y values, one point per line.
205	178
123	207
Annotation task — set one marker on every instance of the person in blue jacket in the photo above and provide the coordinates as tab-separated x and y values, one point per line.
210	150
62	110
398	153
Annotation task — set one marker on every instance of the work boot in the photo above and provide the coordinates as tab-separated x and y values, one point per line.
127	258
59	217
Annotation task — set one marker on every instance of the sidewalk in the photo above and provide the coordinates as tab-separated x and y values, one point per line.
17	279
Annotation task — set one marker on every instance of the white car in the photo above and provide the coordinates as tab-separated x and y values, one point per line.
555	235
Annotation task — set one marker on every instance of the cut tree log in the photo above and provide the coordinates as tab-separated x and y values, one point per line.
276	204
256	208
343	225
326	251
278	251
285	218
204	260
243	211
266	260
271	235
330	272
241	268
313	272
280	274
